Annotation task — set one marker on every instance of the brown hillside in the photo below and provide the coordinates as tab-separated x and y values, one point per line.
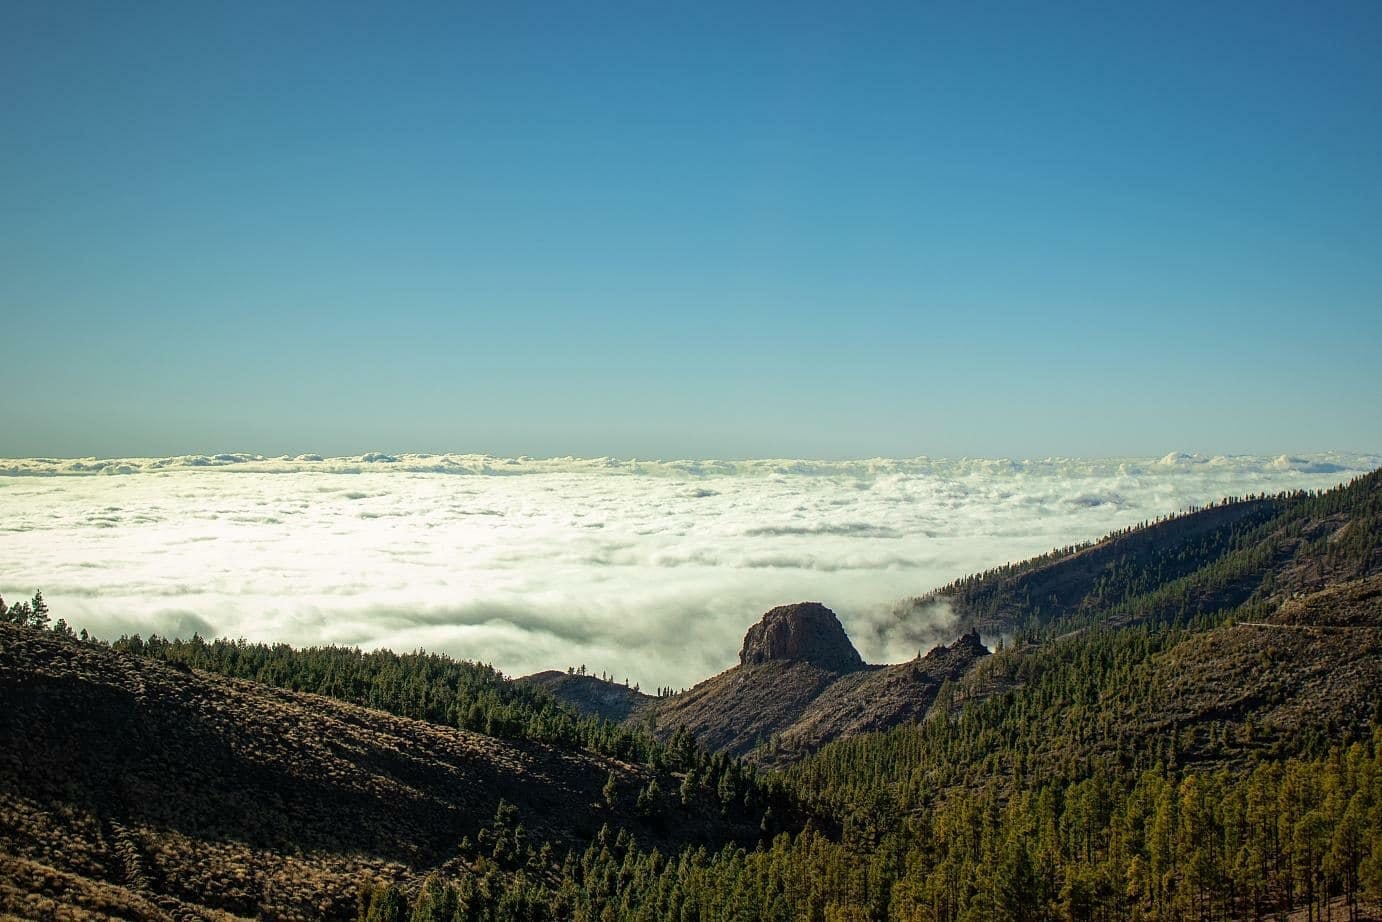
1227	695
877	699
1063	583
1355	604
590	694
129	788
742	707
800	684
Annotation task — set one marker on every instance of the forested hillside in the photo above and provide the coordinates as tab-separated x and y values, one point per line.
1168	740
147	789
1189	726
424	686
1196	564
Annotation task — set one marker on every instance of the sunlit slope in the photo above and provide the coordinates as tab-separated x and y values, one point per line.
1264	642
1201	564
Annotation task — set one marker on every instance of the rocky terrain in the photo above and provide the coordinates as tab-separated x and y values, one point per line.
806	632
799	684
877	699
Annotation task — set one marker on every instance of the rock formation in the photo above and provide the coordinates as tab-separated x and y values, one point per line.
805	632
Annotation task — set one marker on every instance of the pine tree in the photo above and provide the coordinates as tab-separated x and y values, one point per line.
38	611
648	799
386	904
20	613
436	902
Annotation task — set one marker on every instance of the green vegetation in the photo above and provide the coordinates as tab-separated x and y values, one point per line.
1048	784
34	613
423	686
1030	804
1191	569
473	696
1165	845
1108	765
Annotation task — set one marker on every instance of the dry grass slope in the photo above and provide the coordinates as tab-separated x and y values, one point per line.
132	789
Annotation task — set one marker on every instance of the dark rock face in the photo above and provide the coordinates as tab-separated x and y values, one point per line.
970	644
805	632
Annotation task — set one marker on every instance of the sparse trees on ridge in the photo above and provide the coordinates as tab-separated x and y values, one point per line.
33	613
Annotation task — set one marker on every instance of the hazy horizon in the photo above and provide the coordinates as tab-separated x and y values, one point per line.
645	569
53	464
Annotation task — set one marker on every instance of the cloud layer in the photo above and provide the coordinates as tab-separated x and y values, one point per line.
650	570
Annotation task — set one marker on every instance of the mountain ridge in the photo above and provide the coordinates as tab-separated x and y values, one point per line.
800	684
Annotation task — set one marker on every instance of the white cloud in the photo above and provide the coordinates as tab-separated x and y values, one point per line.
652	570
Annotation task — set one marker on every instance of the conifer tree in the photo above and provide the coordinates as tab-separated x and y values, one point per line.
38	611
386	904
20	613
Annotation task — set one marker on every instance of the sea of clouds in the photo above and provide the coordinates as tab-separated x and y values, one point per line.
647	570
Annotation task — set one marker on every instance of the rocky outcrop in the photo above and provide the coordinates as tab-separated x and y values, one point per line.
806	632
800	684
953	661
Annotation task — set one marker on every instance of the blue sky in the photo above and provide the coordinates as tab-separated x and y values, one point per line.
690	229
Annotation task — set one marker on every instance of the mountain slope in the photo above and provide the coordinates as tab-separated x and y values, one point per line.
127	784
589	694
1188	727
1191	729
799	684
779	709
1200	563
878	699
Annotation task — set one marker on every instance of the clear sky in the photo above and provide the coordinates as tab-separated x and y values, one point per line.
690	229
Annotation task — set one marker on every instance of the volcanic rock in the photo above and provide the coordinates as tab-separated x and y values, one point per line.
805	632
